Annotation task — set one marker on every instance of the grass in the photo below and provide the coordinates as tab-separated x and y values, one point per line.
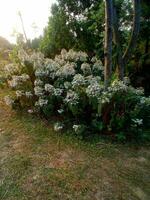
36	163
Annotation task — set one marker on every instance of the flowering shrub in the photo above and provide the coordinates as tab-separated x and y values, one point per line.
72	87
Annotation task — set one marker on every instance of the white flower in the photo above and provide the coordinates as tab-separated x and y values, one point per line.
67	85
11	69
145	100
93	79
49	88
29	94
82	56
104	99
16	80
142	100
23	56
52	66
94	59
94	90
24	77
30	111
75	56
78	80
41	102
66	70
13	83
8	100
137	91
58	126
19	93
38	91
126	80
137	122
41	72
71	55
58	92
38	82
63	53
76	127
117	86
98	66
72	98
60	111
85	67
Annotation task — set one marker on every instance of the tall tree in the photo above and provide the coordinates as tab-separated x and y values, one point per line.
58	33
123	59
108	40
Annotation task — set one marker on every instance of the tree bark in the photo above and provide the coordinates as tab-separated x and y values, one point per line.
116	39
122	60
108	41
135	31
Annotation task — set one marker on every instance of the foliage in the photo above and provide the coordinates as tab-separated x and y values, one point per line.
71	87
57	34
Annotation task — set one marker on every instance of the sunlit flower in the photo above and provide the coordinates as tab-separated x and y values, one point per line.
8	100
58	126
72	98
38	91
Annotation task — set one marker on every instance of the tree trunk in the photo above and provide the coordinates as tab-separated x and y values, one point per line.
116	39
122	60
135	31
108	41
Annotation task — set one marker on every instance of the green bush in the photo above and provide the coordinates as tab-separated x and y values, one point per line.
71	87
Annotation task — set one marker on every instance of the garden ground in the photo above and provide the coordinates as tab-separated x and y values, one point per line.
36	163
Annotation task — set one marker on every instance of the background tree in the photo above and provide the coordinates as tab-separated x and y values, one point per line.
108	40
57	34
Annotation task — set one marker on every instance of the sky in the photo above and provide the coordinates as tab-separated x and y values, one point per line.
35	14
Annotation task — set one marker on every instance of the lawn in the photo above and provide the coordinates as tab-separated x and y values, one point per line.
36	163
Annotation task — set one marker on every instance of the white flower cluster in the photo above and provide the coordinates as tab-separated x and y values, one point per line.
38	59
58	126
94	90
41	72
11	69
8	100
85	67
52	66
60	111
117	86
41	102
72	98
126	80
49	88
29	94
71	55
38	82
76	128
16	80
137	91
137	122
98	66
105	97
23	56
58	92
67	85
93	79
38	91
66	70
60	60
94	59
19	93
78	81
145	100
